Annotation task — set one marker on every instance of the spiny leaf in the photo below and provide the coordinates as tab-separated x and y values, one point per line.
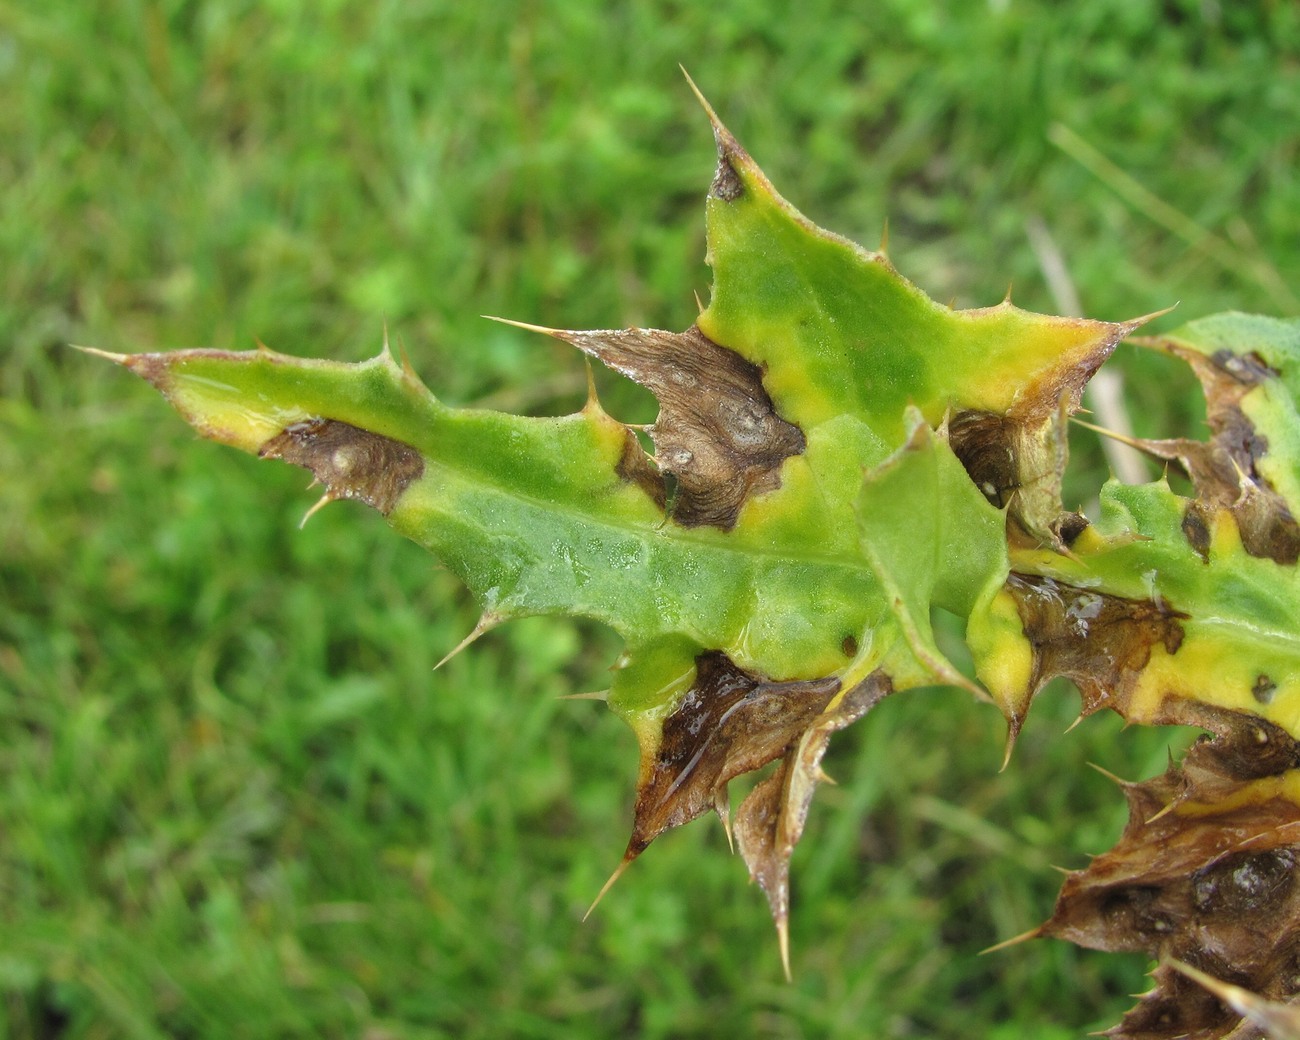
933	539
1279	1021
770	821
835	456
1249	368
1170	609
839	333
813	516
1205	872
717	433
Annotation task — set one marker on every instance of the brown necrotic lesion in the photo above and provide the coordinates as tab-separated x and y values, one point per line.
1225	470
349	461
1204	876
718	435
728	723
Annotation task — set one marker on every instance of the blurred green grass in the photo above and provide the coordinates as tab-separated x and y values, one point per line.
235	800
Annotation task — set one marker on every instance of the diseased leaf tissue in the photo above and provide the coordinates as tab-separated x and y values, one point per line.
836	454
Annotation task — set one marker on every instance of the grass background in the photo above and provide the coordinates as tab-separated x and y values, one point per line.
235	801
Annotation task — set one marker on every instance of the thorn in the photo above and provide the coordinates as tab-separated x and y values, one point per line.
823	777
1244	480
594	695
485	624
1122	438
262	348
884	239
1277	1019
1184	968
385	350
708	109
107	355
1163	812
1006	300
725	816
1013	731
783	940
525	325
1015	940
722	806
942	430
593	399
698	302
618	873
325	500
408	370
1064	871
1109	775
1137	323
1079	718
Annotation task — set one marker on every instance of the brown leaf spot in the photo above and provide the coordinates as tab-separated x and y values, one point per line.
770	821
1176	1007
717	433
1197	530
1018	458
635	467
1244	748
986	445
729	722
1099	641
1225	475
1205	872
1247	369
349	461
1263	689
1017	463
1225	469
1247	883
726	184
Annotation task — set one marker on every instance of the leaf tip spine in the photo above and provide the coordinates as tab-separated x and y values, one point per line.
1015	940
1014	723
626	861
526	326
1119	781
718	128
118	359
592	405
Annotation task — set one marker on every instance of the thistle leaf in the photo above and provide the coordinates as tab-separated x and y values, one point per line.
835	456
1178	610
818	498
